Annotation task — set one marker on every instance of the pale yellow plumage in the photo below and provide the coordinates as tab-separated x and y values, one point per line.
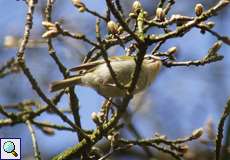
97	75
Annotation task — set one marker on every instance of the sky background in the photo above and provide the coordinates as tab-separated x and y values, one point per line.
181	99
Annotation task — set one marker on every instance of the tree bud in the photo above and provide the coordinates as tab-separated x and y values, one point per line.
112	27
183	148
95	118
81	9
132	15
81	6
50	34
136	7
110	137
48	24
172	50
78	3
197	133
48	131
160	14
199	8
120	29
210	24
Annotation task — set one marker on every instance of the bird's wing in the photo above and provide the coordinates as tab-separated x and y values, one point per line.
91	65
87	66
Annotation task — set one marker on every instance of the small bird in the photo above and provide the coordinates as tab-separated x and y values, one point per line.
97	75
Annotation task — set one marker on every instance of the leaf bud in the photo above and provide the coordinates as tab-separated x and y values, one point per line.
160	14
197	133
172	50
81	6
210	24
81	9
95	118
136	7
183	148
199	8
110	137
78	3
50	34
48	24
112	27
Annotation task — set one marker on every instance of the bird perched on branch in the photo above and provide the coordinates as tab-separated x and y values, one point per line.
98	76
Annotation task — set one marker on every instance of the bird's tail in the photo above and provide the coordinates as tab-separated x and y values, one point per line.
62	84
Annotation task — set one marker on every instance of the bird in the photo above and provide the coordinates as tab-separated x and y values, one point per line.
97	75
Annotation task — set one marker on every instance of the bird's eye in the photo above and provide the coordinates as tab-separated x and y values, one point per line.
148	57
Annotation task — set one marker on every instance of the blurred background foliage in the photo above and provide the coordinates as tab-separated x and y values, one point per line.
181	100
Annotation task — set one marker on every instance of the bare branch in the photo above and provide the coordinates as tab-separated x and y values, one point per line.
37	155
219	136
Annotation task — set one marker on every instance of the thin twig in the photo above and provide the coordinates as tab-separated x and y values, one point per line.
224	39
78	36
168	151
9	67
192	63
107	155
219	136
131	127
37	155
50	125
96	14
157	47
